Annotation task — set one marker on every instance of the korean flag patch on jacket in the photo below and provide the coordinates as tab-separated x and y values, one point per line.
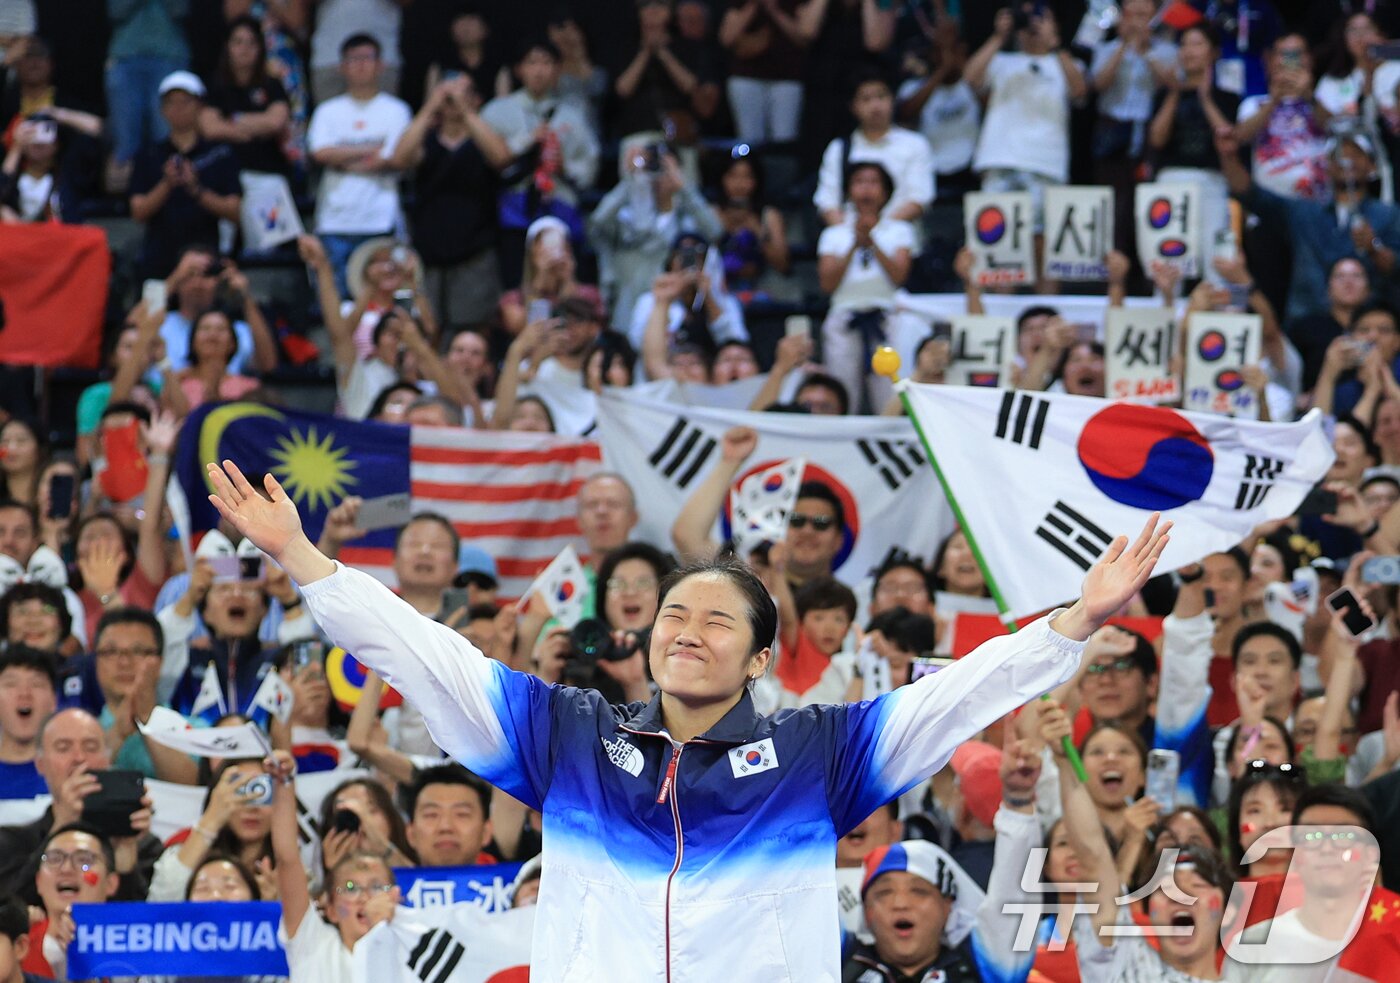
752	758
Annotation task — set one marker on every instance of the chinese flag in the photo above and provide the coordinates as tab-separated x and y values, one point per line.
53	282
1374	953
125	475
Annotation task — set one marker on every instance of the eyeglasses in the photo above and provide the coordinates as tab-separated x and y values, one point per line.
352	890
1316	839
83	860
143	651
1260	770
620	585
34	611
821	523
1118	666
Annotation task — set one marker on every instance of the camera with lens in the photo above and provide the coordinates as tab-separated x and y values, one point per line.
258	790
590	642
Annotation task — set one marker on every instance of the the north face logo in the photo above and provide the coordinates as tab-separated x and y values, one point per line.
624	755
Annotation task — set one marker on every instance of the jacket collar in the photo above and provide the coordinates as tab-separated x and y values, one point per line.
735	727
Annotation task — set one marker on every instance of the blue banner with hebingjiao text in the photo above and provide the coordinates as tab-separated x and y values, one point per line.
176	939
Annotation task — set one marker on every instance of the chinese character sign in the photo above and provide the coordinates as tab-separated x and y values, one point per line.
1169	226
1138	354
981	350
1001	236
1218	347
488	886
1078	232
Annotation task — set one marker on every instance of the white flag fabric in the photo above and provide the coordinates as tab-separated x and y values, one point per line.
210	695
1045	482
458	943
874	465
268	212
167	727
563	585
274	695
760	506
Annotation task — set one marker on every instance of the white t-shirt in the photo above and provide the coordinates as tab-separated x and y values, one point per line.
865	283
1342	96
316	954
950	121
1026	127
336	20
366	379
351	203
904	153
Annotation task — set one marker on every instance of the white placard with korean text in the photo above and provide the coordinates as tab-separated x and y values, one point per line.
1078	232
1218	347
1168	220
1000	230
1138	355
982	345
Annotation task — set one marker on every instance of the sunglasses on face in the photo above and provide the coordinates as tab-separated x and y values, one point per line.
1260	770
821	523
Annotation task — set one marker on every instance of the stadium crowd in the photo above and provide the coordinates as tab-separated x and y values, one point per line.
513	209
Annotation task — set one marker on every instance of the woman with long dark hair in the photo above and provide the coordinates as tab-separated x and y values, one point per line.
246	107
663	821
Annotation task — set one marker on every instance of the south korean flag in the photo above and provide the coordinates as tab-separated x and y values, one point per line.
760	505
1046	481
564	587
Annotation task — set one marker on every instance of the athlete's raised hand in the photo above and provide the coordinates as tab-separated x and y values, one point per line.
271	522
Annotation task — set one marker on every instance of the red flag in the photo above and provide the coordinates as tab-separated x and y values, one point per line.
125	475
1374	953
53	281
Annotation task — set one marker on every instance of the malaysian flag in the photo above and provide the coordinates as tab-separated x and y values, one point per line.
511	494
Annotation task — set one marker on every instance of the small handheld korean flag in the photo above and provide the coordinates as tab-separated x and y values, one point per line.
210	696
268	213
760	506
563	586
275	696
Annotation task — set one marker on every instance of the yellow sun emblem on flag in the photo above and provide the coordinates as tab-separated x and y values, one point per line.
314	472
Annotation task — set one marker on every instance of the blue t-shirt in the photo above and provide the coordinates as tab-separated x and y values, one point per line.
21	781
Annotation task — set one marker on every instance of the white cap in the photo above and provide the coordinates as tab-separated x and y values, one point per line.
182	81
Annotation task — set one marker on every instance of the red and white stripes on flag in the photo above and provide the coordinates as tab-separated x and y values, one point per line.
511	494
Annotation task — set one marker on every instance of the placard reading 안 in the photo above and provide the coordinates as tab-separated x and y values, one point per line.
1218	347
981	350
1078	232
1169	226
1001	236
1138	354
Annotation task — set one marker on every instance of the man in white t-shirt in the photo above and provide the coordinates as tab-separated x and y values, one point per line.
337	20
1025	132
352	137
943	107
904	154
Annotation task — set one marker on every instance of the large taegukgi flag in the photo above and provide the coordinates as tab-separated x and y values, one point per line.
1045	482
874	465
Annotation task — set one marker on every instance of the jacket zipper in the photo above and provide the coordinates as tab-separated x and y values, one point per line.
668	792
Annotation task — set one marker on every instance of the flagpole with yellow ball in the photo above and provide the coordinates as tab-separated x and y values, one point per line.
886	362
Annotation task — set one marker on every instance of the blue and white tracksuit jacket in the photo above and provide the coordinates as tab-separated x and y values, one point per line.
711	860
